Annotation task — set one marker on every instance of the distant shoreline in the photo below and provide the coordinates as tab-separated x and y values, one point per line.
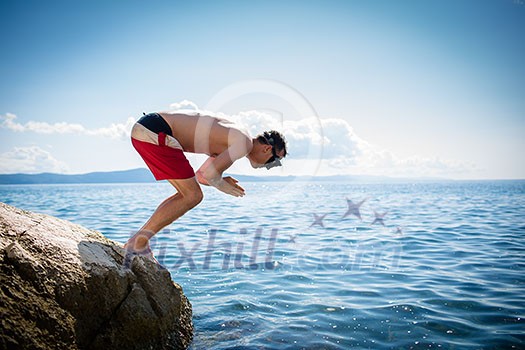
142	175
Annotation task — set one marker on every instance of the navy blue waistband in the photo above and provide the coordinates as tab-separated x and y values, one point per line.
154	122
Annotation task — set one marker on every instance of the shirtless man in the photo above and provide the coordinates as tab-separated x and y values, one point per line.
161	138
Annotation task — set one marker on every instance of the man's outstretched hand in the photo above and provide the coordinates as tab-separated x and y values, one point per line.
230	186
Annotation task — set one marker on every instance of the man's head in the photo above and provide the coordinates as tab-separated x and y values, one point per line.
268	150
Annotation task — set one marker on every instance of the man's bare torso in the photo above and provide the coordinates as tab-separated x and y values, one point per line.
205	134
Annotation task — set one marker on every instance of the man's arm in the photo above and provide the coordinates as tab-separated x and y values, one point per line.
210	173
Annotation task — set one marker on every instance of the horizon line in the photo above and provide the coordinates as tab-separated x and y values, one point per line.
393	177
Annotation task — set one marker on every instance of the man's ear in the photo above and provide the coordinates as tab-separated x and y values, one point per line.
267	148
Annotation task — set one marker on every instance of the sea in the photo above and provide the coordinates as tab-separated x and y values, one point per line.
322	265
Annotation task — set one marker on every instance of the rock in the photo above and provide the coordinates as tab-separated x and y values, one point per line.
63	286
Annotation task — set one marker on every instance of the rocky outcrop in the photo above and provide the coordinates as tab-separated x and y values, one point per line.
63	286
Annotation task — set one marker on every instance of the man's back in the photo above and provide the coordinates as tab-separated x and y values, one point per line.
206	134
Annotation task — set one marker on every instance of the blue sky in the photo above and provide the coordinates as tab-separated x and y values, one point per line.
400	88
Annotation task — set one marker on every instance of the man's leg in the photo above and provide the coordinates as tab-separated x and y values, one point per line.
188	195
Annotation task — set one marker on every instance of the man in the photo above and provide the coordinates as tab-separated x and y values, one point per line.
161	138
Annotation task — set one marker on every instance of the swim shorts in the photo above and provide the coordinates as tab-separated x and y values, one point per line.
153	139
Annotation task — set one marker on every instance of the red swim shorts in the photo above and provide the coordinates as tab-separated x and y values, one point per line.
163	161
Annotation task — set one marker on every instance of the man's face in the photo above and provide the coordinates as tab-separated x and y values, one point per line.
259	158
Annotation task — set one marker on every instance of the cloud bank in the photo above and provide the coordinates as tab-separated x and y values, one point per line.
113	131
342	150
30	160
330	141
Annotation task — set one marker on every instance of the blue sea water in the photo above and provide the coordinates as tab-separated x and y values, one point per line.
446	271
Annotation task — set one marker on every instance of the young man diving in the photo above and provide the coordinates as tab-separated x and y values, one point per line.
161	139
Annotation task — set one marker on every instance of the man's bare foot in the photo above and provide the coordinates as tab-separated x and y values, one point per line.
139	245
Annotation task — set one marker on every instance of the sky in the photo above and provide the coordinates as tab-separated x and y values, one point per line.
407	88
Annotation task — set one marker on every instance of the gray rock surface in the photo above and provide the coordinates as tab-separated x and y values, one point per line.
63	286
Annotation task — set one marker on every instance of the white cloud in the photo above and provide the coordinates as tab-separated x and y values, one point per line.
31	159
383	162
114	131
183	105
301	135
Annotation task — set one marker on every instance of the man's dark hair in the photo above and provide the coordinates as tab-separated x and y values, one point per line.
273	138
